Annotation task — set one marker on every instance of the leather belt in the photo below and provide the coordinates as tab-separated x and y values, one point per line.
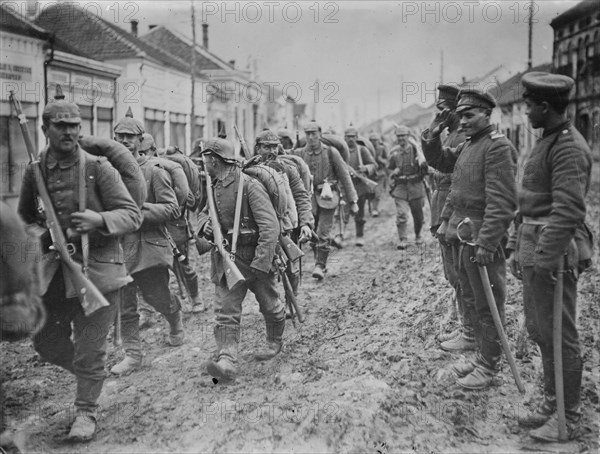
542	220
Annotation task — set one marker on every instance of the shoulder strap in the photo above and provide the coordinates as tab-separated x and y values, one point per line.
238	213
85	239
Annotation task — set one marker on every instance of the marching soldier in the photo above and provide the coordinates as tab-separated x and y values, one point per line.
464	337
254	257
179	228
552	232
407	165
381	159
329	172
266	146
95	210
482	189
148	253
360	160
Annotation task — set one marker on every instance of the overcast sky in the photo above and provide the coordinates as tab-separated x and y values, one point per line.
362	52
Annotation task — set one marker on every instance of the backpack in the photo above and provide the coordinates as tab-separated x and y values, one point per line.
277	186
178	180
193	177
302	168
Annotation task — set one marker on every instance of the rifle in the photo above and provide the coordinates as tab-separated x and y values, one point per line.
90	297
179	257
243	144
427	190
371	185
290	298
233	275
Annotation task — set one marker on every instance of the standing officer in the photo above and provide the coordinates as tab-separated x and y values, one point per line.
255	254
148	252
329	171
360	160
551	230
92	205
407	165
464	337
482	189
381	159
266	146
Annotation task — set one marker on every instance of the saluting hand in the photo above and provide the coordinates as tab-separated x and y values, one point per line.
87	221
439	122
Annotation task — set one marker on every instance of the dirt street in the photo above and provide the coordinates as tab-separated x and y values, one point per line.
363	374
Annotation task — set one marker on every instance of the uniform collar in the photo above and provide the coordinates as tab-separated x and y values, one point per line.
560	127
229	177
142	159
482	133
65	162
314	150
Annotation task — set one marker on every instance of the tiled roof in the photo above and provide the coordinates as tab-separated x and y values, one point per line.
582	9
99	38
511	91
182	48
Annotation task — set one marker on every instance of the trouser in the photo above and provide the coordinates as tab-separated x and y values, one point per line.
380	190
75	342
538	299
153	284
486	335
359	217
324	224
403	207
228	306
293	270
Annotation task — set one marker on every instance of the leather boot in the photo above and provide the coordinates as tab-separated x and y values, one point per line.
86	409
360	231
275	327
198	305
176	333
540	415
321	259
459	344
127	365
227	339
464	367
482	376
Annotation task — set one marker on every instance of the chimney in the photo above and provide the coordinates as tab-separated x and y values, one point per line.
134	27
232	63
151	26
205	35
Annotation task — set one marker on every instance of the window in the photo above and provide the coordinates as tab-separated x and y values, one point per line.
177	129
87	117
198	128
155	125
105	122
12	146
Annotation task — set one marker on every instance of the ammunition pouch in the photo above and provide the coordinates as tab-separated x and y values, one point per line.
246	237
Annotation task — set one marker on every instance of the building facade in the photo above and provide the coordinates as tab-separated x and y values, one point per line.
576	53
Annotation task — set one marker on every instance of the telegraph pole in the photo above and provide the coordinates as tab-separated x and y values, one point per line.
529	59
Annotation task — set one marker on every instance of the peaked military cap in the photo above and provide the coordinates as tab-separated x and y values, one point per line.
447	93
473	97
402	131
267	137
547	86
129	125
284	133
61	111
221	147
312	126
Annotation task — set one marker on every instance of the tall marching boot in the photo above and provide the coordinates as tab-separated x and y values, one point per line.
275	326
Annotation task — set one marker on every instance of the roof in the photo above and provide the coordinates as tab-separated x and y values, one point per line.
511	91
582	9
13	22
102	39
181	47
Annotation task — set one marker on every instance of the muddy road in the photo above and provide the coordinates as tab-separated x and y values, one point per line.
364	373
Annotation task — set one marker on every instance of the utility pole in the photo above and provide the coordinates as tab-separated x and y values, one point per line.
193	78
529	59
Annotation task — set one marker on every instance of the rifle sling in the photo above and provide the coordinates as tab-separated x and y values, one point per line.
85	239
